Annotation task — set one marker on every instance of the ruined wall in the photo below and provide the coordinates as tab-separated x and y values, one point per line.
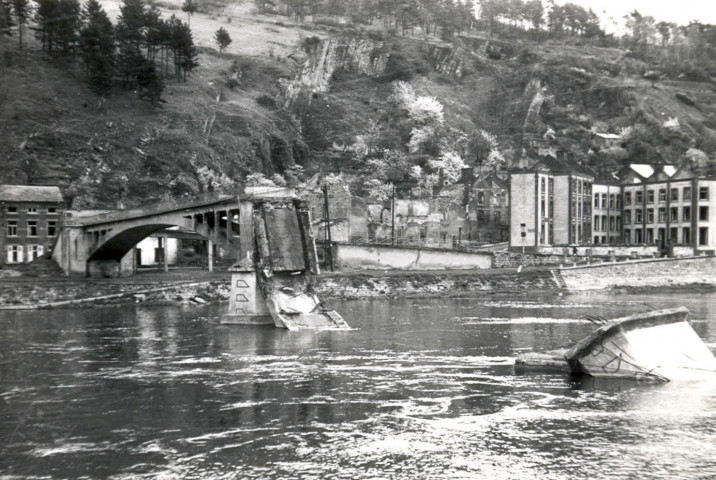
359	257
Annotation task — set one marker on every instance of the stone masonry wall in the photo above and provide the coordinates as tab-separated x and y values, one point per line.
642	273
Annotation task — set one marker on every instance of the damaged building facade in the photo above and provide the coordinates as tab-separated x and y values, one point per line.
478	216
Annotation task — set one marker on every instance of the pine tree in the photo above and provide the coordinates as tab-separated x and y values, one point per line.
189	8
97	47
222	39
130	33
5	17
67	26
21	9
182	42
46	17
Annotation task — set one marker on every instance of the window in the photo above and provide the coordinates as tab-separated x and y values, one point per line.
627	217
51	228
662	195
611	224
650	196
596	200
686	236
51	210
596	222
687	193
674	194
703	236
604	200
662	215
627	235
673	235
32	228
34	252
638	198
619	201
480	198
627	198
11	209
686	214
619	224
649	235
649	215
12	228
14	253
611	201
674	214
638	236
31	209
637	216
703	213
703	193
604	223
596	240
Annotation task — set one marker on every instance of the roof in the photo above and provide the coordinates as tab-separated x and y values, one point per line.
561	167
30	193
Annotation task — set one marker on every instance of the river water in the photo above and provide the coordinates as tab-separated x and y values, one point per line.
420	389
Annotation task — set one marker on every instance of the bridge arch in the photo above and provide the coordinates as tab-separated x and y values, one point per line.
117	246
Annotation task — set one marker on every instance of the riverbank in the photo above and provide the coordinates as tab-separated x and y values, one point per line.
200	286
178	286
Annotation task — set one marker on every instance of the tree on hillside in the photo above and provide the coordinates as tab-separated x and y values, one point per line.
66	27
130	33
182	44
21	10
5	17
46	16
222	39
97	47
189	7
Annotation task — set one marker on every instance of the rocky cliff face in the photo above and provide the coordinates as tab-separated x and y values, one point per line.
448	60
362	55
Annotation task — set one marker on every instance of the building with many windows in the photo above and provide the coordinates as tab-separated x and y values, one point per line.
643	205
551	204
29	220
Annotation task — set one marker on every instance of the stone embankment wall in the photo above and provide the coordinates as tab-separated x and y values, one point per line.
514	260
424	284
642	273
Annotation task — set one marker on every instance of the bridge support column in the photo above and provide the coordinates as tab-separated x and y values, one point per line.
210	254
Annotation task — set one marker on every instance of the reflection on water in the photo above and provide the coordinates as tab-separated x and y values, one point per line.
420	389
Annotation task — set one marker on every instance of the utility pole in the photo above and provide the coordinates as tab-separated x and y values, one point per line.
392	213
327	220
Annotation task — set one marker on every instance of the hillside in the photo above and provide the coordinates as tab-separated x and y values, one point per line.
324	97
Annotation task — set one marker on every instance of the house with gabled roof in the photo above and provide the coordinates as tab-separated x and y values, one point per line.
30	218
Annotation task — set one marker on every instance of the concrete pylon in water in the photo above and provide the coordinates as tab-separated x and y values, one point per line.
272	283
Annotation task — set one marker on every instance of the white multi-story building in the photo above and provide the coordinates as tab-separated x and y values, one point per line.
648	205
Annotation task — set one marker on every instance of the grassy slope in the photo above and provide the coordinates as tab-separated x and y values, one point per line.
54	131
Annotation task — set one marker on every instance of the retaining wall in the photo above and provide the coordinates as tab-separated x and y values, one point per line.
642	273
400	284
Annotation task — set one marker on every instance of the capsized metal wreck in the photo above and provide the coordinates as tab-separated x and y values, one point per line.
659	345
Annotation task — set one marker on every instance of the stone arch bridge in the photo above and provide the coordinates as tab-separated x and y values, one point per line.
103	244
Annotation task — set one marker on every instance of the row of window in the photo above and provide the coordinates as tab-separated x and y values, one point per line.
15	253
651	195
32	228
614	223
615	200
685	238
31	210
661	215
